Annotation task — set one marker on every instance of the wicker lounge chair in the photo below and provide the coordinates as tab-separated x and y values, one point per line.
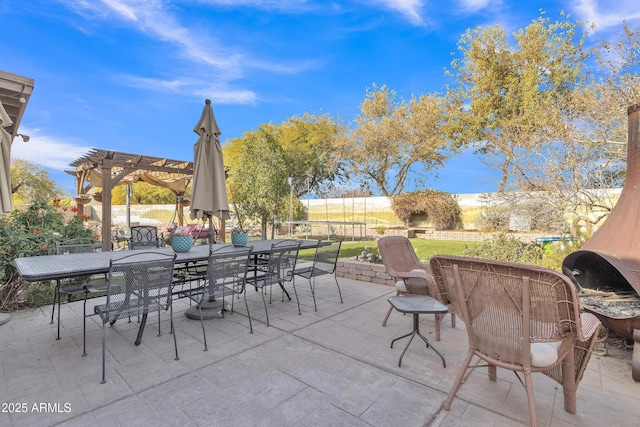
519	317
413	277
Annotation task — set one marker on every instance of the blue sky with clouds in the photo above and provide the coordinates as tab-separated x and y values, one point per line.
132	75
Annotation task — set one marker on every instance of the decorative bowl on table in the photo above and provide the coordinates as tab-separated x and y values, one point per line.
181	243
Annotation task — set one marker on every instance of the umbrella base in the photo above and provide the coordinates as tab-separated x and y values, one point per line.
210	310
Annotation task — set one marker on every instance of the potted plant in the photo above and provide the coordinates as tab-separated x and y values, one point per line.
239	237
181	239
82	199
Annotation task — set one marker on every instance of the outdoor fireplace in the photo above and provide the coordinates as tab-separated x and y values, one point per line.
606	270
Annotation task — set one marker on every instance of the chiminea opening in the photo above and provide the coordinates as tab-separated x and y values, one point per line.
590	270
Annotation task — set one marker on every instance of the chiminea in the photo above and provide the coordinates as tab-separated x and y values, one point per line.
609	261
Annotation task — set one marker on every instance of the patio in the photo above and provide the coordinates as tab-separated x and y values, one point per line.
325	368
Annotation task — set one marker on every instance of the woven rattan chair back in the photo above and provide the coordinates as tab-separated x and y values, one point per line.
512	313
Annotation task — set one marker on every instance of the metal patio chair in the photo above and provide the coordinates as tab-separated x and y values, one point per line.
226	274
144	236
77	285
412	276
519	317
139	284
275	269
324	262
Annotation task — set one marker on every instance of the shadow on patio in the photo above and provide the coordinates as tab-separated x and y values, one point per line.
325	368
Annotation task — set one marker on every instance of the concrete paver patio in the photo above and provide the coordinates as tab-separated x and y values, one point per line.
332	367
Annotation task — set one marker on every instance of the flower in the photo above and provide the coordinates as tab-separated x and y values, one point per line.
37	231
181	231
371	254
236	229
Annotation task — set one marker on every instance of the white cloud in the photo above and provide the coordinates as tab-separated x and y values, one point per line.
47	151
225	64
606	14
475	5
410	9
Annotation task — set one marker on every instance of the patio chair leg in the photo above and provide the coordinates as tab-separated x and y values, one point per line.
175	341
84	326
265	308
59	297
248	313
293	283
384	322
204	334
104	379
312	286
56	295
338	285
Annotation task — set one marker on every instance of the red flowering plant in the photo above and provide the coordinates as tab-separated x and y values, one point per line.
32	232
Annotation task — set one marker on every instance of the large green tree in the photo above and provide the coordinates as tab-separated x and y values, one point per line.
391	137
258	179
30	183
511	97
308	144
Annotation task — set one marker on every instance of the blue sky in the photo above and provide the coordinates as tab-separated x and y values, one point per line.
132	75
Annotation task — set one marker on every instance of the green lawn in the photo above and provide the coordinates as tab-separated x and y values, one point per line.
423	247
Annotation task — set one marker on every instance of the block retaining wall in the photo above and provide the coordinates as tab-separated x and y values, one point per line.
363	271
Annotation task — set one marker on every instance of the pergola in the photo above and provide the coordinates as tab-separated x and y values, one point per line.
107	169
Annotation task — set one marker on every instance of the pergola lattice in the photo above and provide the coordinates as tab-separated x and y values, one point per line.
107	169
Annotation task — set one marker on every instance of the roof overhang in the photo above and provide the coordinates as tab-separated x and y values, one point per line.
11	88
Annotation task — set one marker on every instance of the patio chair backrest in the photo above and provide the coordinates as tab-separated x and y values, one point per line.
227	268
507	306
144	236
401	262
326	258
283	256
79	245
139	283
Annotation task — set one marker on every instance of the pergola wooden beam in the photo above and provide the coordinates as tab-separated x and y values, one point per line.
113	167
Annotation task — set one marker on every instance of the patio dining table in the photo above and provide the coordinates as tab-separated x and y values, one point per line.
52	267
63	266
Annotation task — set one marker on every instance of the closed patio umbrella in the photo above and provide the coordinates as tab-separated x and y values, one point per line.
209	196
5	162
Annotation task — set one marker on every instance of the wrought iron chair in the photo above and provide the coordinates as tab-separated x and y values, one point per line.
519	317
140	283
413	277
324	262
276	269
144	236
226	274
76	285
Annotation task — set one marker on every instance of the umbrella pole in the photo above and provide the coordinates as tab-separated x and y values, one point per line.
210	233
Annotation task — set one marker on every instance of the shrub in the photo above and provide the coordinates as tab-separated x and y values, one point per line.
505	247
31	232
441	208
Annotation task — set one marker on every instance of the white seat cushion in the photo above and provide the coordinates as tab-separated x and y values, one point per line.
544	353
400	286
